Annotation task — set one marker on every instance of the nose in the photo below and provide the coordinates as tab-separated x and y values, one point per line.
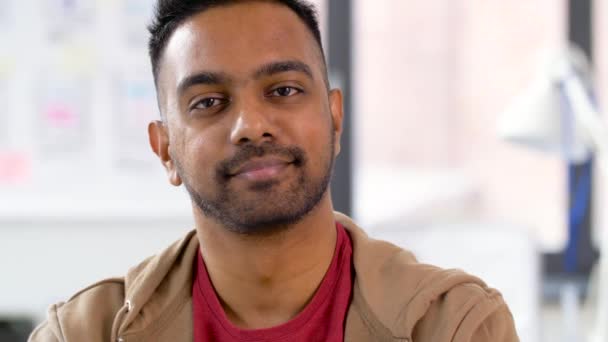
252	125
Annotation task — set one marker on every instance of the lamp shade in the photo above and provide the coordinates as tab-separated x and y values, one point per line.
543	117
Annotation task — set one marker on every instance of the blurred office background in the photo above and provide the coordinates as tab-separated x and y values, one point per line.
427	85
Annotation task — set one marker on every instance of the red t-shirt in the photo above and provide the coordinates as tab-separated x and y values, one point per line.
321	320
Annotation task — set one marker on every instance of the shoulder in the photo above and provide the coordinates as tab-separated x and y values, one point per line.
426	303
91	314
88	314
468	312
397	294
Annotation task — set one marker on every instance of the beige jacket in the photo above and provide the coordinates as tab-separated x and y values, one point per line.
395	298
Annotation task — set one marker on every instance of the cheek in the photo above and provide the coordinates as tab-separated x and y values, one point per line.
202	152
315	138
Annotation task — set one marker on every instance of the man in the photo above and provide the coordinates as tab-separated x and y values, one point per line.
251	129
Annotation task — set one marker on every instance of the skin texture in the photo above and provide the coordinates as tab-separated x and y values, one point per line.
258	143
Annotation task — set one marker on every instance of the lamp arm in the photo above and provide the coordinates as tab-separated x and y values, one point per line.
588	118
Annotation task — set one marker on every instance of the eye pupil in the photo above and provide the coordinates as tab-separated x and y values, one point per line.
208	102
284	91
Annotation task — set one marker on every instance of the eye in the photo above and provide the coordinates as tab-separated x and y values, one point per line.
285	91
207	103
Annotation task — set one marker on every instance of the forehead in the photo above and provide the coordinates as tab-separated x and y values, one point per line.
236	39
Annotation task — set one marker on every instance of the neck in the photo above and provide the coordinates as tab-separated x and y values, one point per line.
266	281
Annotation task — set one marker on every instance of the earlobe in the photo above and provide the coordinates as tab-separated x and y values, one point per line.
336	106
159	142
174	177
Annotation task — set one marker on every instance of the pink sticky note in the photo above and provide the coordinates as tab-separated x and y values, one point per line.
14	168
60	115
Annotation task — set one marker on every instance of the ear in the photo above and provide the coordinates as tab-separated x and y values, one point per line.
336	107
159	141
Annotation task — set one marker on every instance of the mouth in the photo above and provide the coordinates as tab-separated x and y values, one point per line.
261	169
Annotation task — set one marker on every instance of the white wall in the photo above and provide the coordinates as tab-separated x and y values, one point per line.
46	262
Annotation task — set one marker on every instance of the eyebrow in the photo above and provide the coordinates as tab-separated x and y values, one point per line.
282	66
214	78
204	77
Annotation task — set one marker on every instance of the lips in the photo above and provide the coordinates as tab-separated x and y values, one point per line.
261	167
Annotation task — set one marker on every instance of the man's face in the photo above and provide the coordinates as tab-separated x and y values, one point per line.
251	129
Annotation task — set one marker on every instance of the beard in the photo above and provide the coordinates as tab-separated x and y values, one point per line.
267	207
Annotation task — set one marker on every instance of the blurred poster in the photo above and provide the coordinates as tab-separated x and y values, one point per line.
64	116
6	15
15	165
136	16
68	17
4	99
136	103
7	75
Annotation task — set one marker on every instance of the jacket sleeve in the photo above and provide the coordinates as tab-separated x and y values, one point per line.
484	315
498	327
49	330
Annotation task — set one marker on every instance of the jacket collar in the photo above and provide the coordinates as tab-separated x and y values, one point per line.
391	288
159	284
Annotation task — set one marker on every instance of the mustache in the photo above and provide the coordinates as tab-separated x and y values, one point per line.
250	151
